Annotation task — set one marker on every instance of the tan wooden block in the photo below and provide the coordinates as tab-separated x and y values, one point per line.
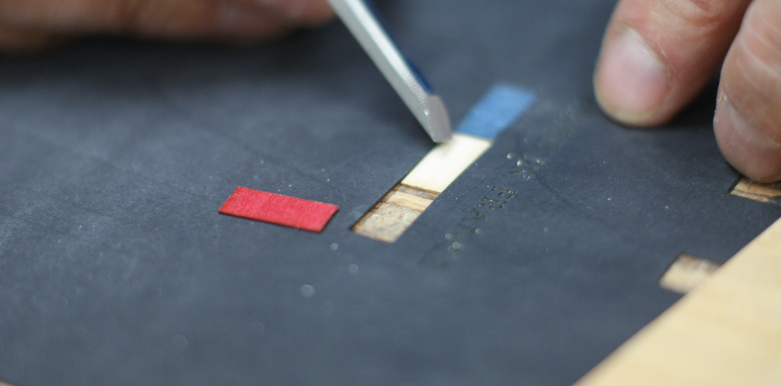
725	332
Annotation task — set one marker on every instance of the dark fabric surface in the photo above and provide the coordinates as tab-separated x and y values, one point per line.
116	269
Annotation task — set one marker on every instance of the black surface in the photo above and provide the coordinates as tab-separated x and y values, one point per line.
116	268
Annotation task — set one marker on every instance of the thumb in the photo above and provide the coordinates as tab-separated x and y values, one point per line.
658	54
748	116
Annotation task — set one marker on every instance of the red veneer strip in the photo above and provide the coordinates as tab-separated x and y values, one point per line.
278	209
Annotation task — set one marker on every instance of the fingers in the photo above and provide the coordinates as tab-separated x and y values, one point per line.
748	116
21	42
163	18
657	55
303	12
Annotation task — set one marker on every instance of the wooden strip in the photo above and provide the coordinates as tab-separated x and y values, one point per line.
725	332
687	272
418	202
443	164
395	212
386	222
416	192
770	193
400	207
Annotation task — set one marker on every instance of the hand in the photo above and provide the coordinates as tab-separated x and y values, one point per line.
658	54
33	24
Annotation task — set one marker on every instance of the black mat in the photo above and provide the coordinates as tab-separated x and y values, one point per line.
116	268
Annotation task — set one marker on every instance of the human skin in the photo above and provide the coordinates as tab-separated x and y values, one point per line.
29	25
658	54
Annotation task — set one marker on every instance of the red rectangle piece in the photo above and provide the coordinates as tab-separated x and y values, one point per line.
278	209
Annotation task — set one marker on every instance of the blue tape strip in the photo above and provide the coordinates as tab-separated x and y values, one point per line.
498	109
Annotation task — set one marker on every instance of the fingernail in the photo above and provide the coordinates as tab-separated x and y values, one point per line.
631	82
748	149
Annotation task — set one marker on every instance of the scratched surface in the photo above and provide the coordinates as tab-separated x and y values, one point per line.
532	267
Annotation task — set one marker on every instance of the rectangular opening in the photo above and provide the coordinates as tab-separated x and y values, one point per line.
403	204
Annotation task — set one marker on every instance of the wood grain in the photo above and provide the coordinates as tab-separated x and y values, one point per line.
727	331
687	272
770	193
394	213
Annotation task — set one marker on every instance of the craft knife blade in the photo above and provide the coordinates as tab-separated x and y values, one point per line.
362	21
